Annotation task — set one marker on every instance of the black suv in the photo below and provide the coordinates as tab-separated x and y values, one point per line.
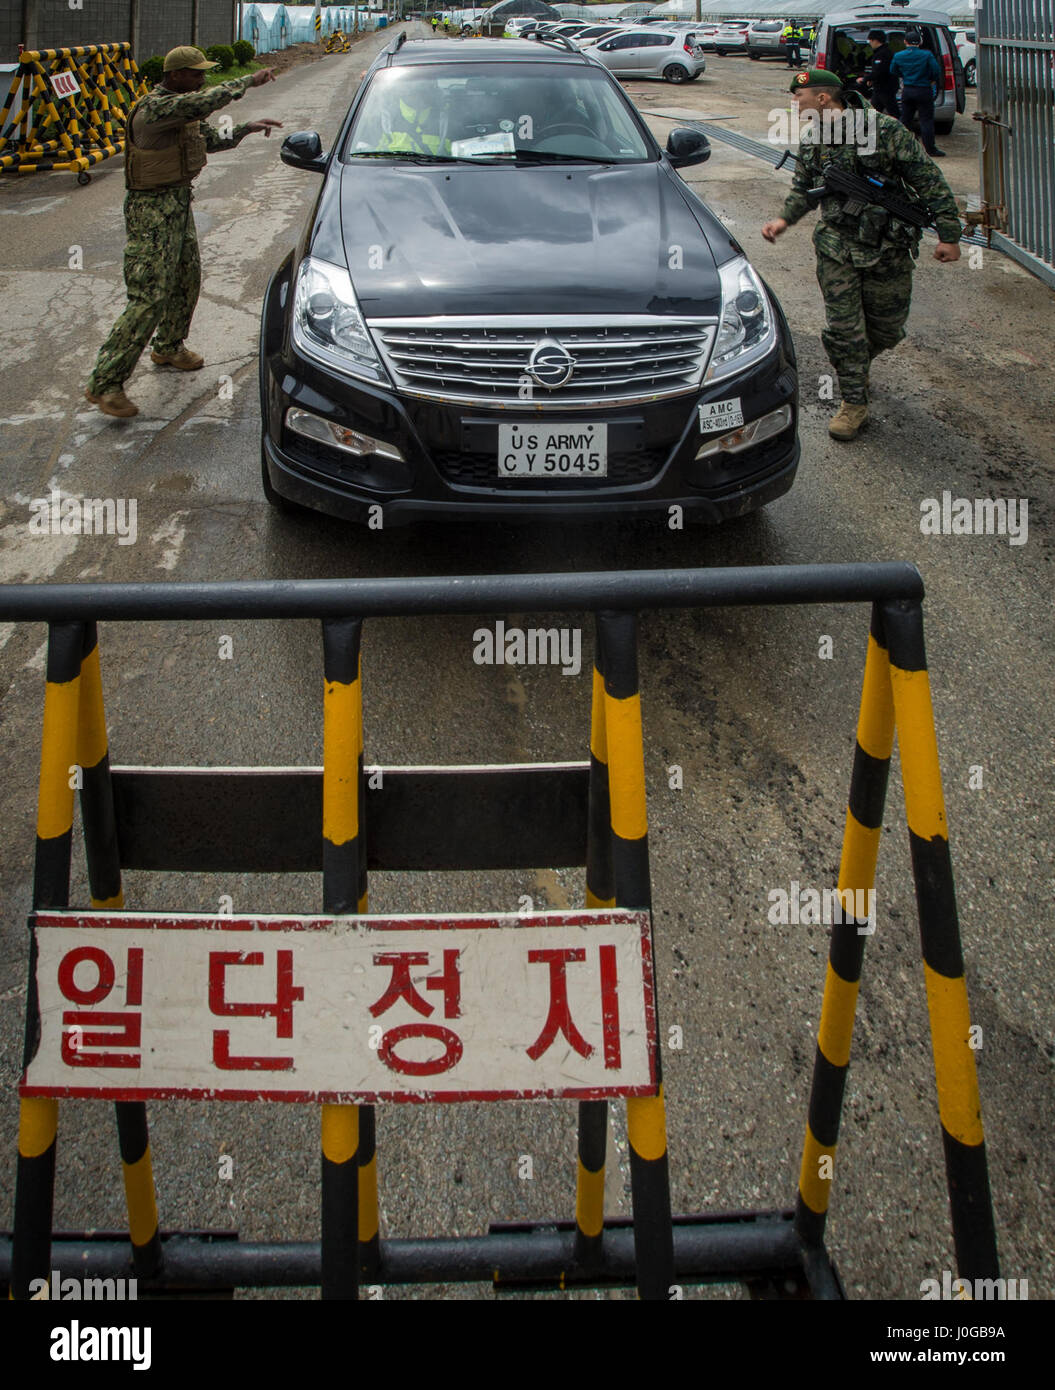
505	301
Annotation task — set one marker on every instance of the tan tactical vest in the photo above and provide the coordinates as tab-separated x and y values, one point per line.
162	154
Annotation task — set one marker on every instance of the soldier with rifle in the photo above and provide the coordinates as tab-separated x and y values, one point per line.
875	195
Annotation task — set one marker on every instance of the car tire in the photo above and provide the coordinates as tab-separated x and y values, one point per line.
674	72
755	57
970	72
943	127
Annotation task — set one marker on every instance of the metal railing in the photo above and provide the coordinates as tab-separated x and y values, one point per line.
1016	108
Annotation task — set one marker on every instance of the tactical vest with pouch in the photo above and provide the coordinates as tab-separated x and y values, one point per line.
162	154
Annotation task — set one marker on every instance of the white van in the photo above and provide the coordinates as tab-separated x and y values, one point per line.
842	46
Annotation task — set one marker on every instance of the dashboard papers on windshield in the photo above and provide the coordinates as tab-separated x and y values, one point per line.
500	142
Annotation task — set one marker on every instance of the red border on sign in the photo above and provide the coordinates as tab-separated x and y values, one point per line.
135	921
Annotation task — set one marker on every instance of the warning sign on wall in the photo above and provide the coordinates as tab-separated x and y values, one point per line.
344	1009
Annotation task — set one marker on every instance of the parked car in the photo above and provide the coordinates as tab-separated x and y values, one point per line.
483	316
651	52
765	39
731	37
705	35
586	38
965	42
842	46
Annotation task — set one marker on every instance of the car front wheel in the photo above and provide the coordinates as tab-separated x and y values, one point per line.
674	73
970	72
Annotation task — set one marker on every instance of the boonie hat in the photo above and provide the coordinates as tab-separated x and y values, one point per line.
815	77
187	57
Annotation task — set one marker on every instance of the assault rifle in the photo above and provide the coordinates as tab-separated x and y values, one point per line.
860	190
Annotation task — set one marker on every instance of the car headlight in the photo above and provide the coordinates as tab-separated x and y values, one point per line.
748	329
327	323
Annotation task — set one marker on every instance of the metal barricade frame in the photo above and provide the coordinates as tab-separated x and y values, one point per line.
599	818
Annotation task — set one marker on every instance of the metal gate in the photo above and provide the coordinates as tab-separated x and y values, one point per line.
1016	106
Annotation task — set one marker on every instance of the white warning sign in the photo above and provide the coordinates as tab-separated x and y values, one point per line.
64	84
135	1006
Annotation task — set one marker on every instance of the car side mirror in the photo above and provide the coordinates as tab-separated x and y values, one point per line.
303	150
686	147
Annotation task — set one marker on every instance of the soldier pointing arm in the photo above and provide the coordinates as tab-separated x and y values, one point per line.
167	141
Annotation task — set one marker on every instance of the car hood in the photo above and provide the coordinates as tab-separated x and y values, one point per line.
455	239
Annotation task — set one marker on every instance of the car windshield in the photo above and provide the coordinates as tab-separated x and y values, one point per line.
482	112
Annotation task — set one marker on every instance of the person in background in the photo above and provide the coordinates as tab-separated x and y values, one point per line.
878	82
792	36
918	70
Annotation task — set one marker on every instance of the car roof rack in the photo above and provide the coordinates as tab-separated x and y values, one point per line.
397	43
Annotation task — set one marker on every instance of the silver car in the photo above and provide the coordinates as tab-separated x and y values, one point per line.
731	37
765	39
651	52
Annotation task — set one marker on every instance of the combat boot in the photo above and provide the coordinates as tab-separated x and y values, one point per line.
113	403
847	421
184	360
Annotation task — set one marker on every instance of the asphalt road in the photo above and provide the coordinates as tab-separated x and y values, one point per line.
761	725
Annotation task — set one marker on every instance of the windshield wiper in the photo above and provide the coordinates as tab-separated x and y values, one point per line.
417	156
547	157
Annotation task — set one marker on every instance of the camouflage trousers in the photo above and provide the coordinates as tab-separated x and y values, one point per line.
866	311
162	276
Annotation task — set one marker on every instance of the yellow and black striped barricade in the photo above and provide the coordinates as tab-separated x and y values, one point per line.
171	820
66	109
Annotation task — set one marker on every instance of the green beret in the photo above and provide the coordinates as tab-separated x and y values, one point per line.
815	77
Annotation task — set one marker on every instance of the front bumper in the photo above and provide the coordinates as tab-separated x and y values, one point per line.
450	450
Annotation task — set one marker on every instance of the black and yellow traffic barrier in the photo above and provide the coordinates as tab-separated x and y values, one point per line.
481	818
338	42
74	751
896	696
66	109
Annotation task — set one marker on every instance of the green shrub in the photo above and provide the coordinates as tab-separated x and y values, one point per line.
244	52
222	54
153	70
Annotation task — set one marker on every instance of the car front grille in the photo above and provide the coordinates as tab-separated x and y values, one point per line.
617	359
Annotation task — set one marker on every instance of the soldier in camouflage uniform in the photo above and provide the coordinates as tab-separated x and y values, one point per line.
864	259
165	149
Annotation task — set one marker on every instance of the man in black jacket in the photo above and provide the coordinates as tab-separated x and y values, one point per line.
878	82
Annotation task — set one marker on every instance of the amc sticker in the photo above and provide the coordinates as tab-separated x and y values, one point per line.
720	415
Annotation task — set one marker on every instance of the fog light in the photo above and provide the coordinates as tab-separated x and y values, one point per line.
747	436
338	437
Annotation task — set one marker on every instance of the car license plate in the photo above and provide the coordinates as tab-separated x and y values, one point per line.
567	450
